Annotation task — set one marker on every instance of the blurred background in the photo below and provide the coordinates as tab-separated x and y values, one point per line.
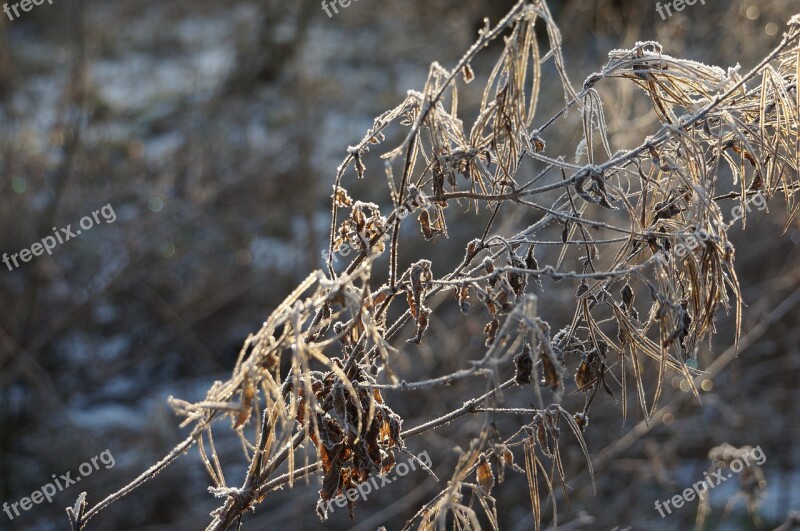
214	130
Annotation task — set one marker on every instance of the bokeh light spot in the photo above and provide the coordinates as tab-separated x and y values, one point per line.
155	204
243	257
167	250
19	185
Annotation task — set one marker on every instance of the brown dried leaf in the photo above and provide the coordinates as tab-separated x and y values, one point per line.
246	409
468	74
523	364
485	476
341	198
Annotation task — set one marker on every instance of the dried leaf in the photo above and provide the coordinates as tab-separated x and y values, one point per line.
485	476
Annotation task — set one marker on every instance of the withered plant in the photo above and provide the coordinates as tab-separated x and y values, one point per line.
646	290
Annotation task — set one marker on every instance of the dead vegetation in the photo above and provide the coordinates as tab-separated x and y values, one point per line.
314	373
